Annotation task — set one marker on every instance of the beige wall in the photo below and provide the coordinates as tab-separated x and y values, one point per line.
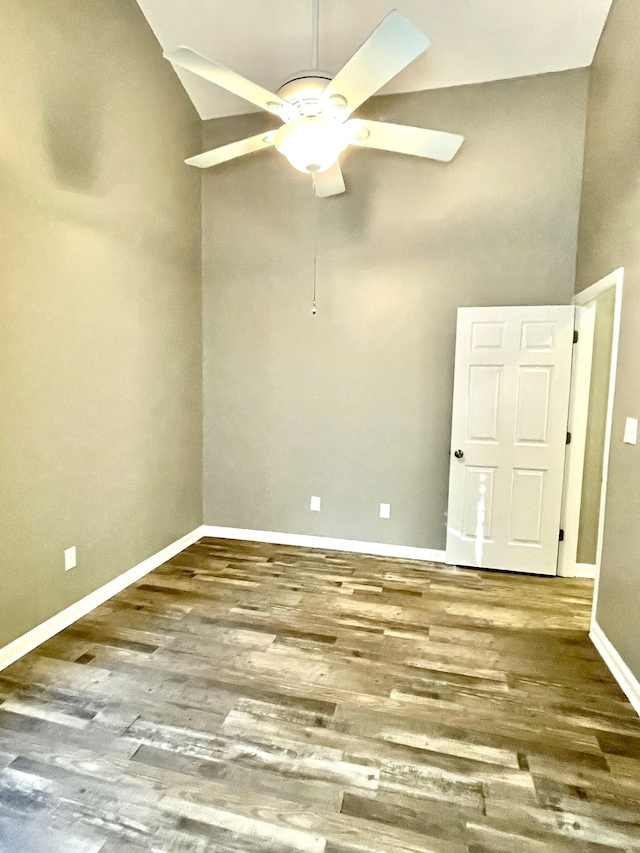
596	428
610	238
354	404
100	344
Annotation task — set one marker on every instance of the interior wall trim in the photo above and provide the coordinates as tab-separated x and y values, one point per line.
620	671
585	570
327	543
33	638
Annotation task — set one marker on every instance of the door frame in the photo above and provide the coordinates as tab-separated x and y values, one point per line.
585	303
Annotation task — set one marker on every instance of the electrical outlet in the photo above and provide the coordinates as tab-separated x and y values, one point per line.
315	503
70	561
385	510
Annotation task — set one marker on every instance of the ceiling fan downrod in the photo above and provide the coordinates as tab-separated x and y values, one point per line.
315	33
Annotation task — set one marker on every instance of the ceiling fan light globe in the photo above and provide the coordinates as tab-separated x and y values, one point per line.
312	145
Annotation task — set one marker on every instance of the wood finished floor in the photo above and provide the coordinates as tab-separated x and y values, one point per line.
247	698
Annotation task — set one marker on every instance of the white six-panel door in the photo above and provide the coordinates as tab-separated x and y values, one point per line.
510	406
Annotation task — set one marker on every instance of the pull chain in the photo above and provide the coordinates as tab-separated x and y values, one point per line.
315	33
315	42
314	307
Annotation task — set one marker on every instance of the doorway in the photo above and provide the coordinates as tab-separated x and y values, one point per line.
598	313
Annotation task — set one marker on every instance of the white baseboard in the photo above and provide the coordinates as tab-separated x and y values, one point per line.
620	671
327	543
32	639
585	570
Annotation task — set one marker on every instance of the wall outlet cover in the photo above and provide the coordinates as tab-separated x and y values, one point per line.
631	431
70	561
315	503
385	510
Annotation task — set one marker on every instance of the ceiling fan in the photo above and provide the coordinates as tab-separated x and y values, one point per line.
315	107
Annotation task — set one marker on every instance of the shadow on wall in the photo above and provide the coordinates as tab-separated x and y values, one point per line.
72	107
81	111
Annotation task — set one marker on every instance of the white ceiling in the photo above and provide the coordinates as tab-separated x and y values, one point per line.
471	40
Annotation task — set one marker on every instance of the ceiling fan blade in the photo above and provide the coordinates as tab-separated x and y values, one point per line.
394	44
231	151
434	144
188	59
330	182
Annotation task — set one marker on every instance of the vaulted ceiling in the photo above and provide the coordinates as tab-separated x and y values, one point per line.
472	40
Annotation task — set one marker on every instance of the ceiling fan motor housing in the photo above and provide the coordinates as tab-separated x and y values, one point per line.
303	91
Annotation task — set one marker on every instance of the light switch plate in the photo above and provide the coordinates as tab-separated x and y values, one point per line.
70	561
385	510
631	431
315	503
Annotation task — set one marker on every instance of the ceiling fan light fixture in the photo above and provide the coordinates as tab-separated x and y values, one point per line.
312	145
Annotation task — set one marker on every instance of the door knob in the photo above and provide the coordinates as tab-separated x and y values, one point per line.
459	454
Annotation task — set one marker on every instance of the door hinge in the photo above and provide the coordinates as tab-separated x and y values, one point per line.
568	438
561	537
575	336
